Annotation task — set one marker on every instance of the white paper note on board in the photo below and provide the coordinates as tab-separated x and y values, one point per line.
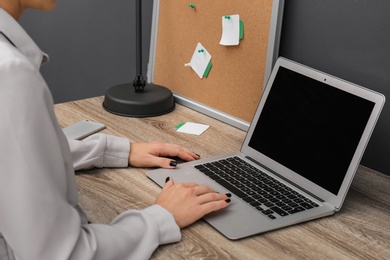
230	30
200	60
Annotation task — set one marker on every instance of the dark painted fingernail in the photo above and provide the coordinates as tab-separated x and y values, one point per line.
228	200
167	179
228	194
173	163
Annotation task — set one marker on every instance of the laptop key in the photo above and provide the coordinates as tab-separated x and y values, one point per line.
255	204
306	205
214	177
208	173
249	199
293	205
267	212
295	210
259	208
279	211
231	188
203	170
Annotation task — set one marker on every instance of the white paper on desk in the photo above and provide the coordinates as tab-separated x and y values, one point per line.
193	128
230	30
200	60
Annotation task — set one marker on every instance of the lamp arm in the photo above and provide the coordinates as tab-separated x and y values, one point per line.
139	81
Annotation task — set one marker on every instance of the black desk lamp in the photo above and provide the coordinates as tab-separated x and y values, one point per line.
139	99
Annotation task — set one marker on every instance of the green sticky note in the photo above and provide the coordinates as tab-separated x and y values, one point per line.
207	70
241	29
179	125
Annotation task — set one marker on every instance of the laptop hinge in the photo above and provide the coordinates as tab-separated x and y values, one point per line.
283	178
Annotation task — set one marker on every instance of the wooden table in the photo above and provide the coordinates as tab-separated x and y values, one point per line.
360	230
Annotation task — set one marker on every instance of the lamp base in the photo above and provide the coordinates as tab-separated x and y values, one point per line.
154	100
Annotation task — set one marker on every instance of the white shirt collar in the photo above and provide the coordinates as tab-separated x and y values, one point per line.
12	30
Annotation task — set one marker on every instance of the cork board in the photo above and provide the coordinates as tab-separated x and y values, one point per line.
235	81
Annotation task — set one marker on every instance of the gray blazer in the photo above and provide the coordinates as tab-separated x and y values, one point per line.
40	216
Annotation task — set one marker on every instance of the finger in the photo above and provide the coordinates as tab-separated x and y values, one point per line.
151	160
189	184
168	183
173	150
209	207
188	156
202	189
168	163
164	163
212	196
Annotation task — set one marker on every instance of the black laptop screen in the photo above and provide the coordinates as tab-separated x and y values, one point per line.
311	128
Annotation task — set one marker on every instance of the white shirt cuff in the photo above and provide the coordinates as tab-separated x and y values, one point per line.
169	230
117	151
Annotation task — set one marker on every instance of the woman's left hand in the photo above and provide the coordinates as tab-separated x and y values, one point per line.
155	155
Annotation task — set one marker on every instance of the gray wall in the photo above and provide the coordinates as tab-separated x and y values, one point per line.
349	39
91	44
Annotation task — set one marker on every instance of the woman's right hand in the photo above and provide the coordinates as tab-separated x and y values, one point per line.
188	202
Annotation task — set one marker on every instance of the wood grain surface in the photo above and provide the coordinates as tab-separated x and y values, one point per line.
360	230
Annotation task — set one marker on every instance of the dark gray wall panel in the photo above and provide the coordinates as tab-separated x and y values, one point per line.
349	39
91	44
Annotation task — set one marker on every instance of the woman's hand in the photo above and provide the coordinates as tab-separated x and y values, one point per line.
152	155
188	202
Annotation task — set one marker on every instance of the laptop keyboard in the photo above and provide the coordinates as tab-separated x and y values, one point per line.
261	191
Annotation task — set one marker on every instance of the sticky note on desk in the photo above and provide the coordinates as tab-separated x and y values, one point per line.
191	128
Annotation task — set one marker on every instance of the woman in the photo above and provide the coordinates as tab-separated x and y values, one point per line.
40	213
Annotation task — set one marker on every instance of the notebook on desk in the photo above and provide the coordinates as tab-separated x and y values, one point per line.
298	158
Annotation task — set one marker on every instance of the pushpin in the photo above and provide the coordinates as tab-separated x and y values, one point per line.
201	50
227	16
191	5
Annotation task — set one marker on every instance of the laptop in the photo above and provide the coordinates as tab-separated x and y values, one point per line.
299	156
